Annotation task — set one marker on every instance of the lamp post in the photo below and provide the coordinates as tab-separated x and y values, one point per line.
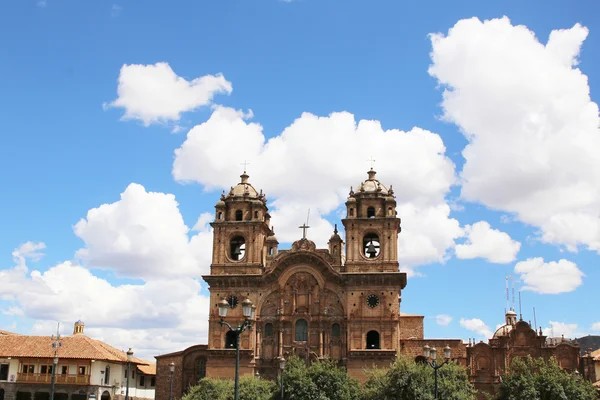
282	368
171	369
431	352
248	310
56	344
129	357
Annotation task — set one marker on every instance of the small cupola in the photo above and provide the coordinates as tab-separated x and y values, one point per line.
78	327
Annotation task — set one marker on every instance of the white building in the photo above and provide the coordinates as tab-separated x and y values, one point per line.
87	369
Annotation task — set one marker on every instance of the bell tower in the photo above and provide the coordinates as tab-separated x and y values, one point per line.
241	229
372	228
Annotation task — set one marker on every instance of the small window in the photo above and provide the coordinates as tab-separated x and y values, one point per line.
351	212
81	370
390	211
107	375
372	340
220	216
237	248
301	330
142	380
371	212
230	340
28	368
152	381
64	370
371	245
125	373
268	330
255	214
43	369
3	372
335	330
238	215
271	251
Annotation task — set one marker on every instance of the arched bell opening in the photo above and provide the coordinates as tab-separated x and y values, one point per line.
371	245
237	248
230	340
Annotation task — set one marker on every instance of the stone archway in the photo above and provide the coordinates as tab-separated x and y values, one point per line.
105	395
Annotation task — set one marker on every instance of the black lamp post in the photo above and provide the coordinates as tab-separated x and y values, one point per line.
56	344
171	369
248	310
431	352
129	357
282	368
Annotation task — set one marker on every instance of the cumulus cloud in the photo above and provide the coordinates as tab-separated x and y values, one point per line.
155	93
143	235
478	326
28	251
532	127
443	319
596	326
291	168
556	329
549	277
485	242
174	311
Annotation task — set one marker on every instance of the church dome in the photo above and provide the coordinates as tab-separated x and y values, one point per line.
372	186
504	330
245	190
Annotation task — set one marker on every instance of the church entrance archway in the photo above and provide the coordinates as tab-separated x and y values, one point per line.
105	395
373	340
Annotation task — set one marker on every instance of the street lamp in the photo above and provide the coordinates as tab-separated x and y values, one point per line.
249	311
129	357
171	369
431	352
282	368
56	344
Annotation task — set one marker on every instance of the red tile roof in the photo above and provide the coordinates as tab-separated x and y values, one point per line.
149	369
3	332
73	347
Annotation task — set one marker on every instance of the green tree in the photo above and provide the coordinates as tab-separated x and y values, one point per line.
334	382
222	389
537	379
407	380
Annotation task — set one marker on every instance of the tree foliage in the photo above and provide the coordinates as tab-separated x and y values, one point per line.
536	379
407	380
222	389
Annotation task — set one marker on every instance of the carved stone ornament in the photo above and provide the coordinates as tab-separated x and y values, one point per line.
303	245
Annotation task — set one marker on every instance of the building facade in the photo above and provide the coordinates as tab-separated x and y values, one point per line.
87	369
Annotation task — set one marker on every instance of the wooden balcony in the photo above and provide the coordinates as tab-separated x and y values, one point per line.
64	379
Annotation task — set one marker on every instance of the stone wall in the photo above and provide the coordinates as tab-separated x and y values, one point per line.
411	327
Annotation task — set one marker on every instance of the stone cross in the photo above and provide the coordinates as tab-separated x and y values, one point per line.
304	227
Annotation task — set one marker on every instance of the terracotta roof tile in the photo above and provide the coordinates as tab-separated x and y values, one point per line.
3	332
149	369
73	347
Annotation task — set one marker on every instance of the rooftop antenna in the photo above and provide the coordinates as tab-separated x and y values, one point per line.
512	278
534	319
520	313
507	299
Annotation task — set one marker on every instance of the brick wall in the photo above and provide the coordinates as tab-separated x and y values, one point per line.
411	327
163	377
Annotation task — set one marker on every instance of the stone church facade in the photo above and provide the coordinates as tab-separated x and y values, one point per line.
342	302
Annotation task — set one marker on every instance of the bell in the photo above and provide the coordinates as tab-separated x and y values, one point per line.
236	253
371	251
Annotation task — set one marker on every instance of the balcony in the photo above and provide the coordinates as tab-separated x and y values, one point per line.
67	379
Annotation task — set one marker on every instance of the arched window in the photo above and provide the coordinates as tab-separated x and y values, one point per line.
230	342
239	215
351	212
390	211
371	212
301	330
335	330
237	248
371	246
220	215
372	340
271	251
256	214
268	330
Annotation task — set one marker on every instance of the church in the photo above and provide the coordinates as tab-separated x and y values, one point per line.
342	302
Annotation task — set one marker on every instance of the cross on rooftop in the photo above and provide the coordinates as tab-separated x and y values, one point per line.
304	227
371	161
245	164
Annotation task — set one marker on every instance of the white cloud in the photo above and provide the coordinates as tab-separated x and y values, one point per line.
42	3
549	278
313	163
478	326
596	327
485	242
443	319
170	310
154	93
143	235
28	251
557	329
532	127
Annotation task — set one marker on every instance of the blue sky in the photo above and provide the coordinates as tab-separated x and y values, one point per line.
81	125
